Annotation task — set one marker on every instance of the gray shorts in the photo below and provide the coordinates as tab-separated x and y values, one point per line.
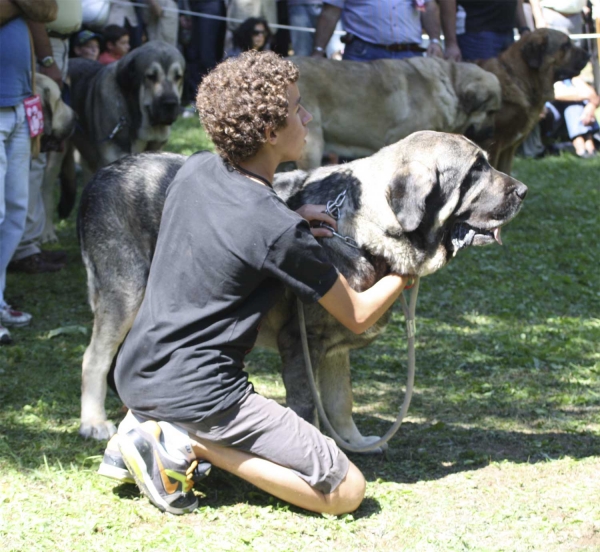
268	430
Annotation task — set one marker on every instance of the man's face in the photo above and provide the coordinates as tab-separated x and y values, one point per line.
89	50
291	138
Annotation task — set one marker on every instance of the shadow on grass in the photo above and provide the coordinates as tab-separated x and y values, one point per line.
223	489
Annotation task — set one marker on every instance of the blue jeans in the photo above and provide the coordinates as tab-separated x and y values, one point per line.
303	15
15	155
483	45
359	50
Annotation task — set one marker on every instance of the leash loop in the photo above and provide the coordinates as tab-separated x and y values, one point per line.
409	314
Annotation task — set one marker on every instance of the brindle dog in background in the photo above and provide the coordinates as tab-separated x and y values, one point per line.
410	207
527	71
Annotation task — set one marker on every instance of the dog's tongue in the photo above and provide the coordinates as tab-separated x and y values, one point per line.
497	236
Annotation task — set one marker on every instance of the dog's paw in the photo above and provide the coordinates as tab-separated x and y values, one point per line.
49	236
100	431
369	440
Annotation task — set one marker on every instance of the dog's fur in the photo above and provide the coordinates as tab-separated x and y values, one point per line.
527	71
406	206
360	107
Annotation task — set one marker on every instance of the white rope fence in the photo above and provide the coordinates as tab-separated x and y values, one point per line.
278	25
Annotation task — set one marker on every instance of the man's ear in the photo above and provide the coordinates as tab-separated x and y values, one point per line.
271	135
408	192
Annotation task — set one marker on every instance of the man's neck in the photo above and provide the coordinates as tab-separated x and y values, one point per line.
262	164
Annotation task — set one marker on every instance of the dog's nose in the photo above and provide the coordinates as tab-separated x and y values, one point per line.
521	190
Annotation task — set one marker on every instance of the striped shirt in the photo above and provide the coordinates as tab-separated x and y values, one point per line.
381	21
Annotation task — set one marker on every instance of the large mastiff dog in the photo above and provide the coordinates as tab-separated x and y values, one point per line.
527	72
127	106
410	208
360	107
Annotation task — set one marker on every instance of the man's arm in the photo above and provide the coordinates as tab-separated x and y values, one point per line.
538	14
430	20
42	11
359	311
521	19
326	23
448	20
43	48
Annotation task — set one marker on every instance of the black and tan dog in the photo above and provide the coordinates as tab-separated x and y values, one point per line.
410	207
127	106
527	71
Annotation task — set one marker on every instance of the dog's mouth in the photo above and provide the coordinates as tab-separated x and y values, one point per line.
464	235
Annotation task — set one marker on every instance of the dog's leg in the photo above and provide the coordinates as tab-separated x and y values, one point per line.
336	395
108	333
68	184
297	390
505	160
53	166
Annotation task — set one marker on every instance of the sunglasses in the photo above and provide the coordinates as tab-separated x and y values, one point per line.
256	33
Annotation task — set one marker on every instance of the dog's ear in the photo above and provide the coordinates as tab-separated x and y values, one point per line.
408	194
472	98
534	50
127	73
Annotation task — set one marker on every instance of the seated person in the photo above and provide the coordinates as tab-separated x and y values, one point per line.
181	367
116	44
252	34
575	105
86	44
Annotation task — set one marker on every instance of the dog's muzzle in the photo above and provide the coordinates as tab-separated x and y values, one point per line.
165	110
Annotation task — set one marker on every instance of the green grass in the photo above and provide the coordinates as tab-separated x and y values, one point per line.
501	449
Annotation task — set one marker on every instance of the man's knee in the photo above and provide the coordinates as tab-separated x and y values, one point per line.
350	493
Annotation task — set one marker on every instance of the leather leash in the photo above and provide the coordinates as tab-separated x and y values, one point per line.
409	316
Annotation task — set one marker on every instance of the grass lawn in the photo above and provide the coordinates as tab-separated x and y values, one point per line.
501	449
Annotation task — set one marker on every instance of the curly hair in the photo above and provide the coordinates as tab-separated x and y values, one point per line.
241	98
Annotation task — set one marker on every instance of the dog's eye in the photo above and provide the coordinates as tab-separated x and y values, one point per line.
152	77
177	78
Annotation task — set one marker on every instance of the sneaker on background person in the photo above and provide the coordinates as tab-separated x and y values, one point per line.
38	263
12	317
5	338
165	479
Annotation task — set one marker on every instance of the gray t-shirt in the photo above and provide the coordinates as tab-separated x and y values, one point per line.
226	248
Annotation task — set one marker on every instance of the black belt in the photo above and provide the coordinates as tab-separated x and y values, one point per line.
399	47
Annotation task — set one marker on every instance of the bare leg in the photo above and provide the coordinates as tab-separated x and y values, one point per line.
282	482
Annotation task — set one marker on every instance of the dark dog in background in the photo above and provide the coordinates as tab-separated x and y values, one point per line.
125	107
410	208
527	71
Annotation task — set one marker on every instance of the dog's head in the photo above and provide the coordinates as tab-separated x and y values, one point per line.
552	52
446	196
59	118
480	96
152	76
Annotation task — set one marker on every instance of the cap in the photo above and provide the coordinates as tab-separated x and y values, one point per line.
85	36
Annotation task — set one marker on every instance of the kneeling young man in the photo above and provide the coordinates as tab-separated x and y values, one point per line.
227	247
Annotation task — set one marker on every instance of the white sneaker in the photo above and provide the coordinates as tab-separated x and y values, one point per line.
5	338
11	317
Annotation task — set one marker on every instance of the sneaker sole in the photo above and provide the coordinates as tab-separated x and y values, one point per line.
121	475
137	467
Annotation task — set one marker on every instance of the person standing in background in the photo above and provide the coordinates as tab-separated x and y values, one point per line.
162	20
116	44
51	44
302	13
490	27
124	14
206	39
562	15
15	143
389	29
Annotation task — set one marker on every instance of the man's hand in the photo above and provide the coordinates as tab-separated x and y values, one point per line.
453	52
53	72
435	50
316	214
589	114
